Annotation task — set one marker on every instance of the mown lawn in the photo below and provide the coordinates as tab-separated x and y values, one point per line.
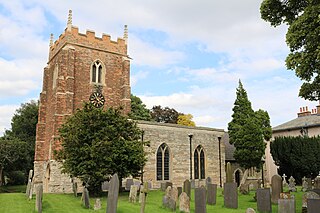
67	203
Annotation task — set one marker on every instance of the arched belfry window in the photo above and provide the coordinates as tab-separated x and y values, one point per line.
97	72
163	162
199	163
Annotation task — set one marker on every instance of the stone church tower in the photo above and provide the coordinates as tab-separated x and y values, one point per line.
79	65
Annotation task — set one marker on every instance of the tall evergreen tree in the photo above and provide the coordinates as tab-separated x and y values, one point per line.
247	130
139	110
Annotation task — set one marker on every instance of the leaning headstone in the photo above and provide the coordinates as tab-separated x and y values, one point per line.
304	184
86	199
133	193
112	200
230	195
250	210
184	203
129	183
286	203
208	180
284	181
97	204
263	200
39	193
212	194
292	184
105	186
167	200
29	185
145	191
179	190
313	205
276	188
187	187
200	200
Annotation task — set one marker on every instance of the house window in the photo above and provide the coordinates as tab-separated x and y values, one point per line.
163	162
199	163
97	73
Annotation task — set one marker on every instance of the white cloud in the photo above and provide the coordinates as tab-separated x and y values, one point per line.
6	113
140	75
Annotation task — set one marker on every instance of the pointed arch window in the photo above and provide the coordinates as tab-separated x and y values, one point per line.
97	72
199	163
163	162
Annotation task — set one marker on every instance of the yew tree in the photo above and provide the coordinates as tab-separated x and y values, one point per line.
303	39
139	110
97	143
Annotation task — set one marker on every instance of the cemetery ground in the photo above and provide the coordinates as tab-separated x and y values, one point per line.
16	202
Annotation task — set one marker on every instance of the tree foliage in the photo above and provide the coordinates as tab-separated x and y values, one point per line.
185	120
165	115
247	131
139	110
303	39
297	156
97	143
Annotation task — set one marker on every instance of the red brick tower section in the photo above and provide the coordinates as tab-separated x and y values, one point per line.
68	82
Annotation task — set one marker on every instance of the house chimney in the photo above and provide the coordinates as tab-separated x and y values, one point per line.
305	111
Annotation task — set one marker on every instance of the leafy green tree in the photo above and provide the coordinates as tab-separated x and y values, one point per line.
97	143
186	120
247	130
165	115
297	156
139	110
303	39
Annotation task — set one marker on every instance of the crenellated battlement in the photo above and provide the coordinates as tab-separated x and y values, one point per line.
72	36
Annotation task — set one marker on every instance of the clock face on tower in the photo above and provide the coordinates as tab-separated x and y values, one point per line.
97	99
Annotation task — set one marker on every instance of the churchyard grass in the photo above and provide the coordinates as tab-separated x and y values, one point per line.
67	203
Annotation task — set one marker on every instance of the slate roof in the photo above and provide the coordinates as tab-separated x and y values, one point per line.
229	148
312	120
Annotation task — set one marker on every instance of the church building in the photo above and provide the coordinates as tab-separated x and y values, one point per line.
82	68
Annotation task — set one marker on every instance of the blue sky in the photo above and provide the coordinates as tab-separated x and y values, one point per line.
188	55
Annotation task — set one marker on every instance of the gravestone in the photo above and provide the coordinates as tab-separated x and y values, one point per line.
200	200
105	186
250	210
284	181
97	204
39	193
276	188
144	191
308	195
193	184
317	182
150	185
187	187
74	187
112	200
229	174
263	200
286	203
208	180
129	183
167	200
313	205
133	194
244	189
309	181
179	190
137	183
184	203
304	184
174	194
212	194
168	184
292	184
230	195
163	186
140	194
86	199
29	185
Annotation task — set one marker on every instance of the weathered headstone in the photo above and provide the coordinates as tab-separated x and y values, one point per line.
179	190
163	186
230	195
244	189
74	187
309	181
263	200
304	184
187	187
229	173
168	184
313	205
309	195
105	186
286	204
29	185
144	191
112	200
292	184
184	203
212	194
86	199
39	193
208	180
284	181
174	194
276	188
250	210
97	204
129	183
200	200
167	200
317	182
133	193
